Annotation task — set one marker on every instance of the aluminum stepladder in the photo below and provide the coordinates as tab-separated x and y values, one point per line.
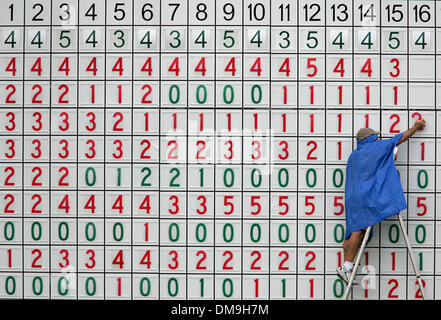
360	253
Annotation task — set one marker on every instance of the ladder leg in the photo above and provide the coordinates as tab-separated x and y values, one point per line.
412	259
357	261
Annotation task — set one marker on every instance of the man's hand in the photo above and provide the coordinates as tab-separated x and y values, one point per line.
419	125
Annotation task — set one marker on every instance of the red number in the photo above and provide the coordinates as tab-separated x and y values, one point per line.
8	97
313	66
174	67
257	204
283	253
144	154
312	254
92	66
228	203
147	67
285	67
118	67
367	67
37	176
118	143
204	256
34	262
36	67
258	256
65	117
256	67
314	144
11	201
201	149
173	149
64	66
66	173
146	259
397	120
119	259
174	259
11	67
337	204
37	202
11	121
11	174
120	117
308	203
420	204
91	258
231	66
65	89
39	90
391	295
339	68
144	97
230	257
201	66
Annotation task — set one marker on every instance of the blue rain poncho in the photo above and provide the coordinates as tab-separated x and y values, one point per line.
373	190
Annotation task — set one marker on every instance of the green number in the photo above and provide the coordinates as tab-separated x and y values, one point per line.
397	233
421	260
202	41
63	37
283	287
9	235
87	176
172	180
256	41
93	41
202	286
201	174
170	232
198	96
225	96
259	181
342	233
279	177
426	178
392	38
229	185
88	291
259	232
172	294
63	282
338	41
61	226
230	38
178	41
286	39
37	40
121	38
8	288
308	183
146	39
337	185
285	239
417	233
86	231
121	231
12	42
224	233
421	41
310	37
338	294
143	292
224	288
118	181
144	182
204	234
170	94
367	41
308	227
34	285
38	236
259	91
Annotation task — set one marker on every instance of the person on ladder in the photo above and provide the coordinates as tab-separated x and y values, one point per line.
373	190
